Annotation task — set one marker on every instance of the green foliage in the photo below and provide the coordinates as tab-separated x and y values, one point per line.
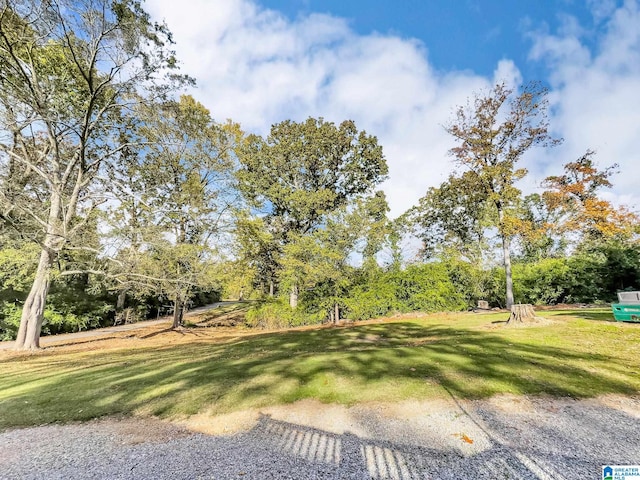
593	274
371	301
9	320
55	320
546	282
17	268
425	287
311	179
75	302
278	314
620	269
451	218
473	283
306	170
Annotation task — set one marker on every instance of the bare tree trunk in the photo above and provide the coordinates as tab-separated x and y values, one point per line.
506	254
293	297
122	297
271	288
507	269
33	309
120	302
178	311
336	315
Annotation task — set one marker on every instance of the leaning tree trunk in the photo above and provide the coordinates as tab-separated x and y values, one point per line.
33	310
521	313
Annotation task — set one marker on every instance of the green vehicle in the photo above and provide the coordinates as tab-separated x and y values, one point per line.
628	307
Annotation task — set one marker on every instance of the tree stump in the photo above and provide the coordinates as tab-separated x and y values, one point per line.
522	313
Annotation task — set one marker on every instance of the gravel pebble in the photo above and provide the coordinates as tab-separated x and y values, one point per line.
544	439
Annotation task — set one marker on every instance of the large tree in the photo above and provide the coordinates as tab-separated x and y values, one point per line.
173	201
68	71
302	172
493	132
187	180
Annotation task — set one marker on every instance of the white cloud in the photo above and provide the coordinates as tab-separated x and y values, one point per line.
596	97
258	67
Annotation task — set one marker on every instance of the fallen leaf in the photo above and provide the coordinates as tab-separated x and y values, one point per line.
463	437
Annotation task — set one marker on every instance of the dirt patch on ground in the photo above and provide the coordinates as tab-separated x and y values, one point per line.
628	405
427	422
361	419
533	322
132	431
512	404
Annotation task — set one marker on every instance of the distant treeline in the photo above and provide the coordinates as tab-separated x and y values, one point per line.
590	276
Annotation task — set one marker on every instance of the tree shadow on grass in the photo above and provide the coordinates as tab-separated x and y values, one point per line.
368	362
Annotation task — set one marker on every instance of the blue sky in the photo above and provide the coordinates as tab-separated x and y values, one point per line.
458	34
399	69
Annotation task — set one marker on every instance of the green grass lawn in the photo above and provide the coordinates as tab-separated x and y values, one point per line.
582	354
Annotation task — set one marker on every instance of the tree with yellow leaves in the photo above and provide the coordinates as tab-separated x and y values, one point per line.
574	194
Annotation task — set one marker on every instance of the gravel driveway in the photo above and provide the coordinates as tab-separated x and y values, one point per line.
508	437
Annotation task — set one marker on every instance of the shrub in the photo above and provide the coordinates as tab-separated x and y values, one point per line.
545	282
421	287
9	320
278	314
54	321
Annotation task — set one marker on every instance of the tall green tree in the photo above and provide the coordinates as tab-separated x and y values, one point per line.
303	172
493	132
451	219
68	71
255	253
321	260
181	193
